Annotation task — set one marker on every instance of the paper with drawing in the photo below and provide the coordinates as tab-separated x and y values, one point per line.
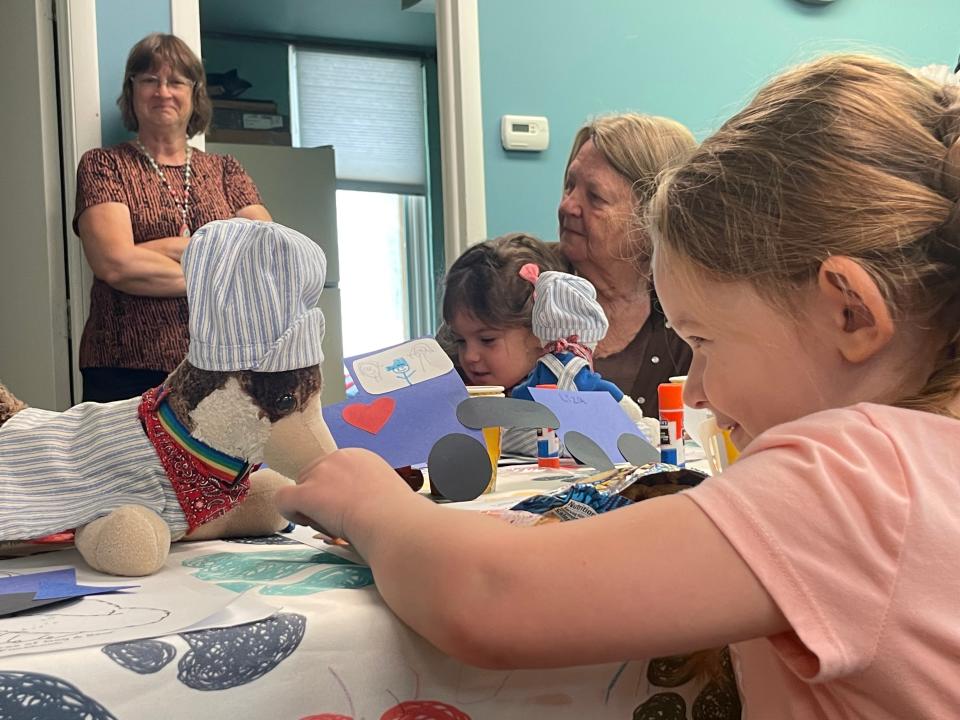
406	400
401	366
166	602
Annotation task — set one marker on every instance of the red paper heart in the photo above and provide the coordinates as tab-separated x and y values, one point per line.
370	417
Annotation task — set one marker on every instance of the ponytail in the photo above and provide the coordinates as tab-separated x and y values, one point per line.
943	385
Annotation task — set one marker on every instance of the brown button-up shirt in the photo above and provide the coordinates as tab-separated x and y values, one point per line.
654	355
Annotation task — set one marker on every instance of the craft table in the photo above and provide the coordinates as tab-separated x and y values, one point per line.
332	650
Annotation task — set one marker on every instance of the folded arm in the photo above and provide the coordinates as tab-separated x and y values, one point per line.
144	269
254	212
171	247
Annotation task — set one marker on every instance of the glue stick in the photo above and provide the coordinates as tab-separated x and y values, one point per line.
670	396
548	443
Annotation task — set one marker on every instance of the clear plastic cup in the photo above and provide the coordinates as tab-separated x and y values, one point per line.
717	445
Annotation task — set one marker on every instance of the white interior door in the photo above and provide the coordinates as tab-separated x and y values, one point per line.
34	349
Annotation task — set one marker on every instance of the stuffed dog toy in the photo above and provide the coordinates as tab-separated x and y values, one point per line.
130	476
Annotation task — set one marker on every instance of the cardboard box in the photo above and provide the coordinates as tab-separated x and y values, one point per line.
253	137
251	105
229	119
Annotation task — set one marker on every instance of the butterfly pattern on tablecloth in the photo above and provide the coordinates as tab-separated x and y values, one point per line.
717	700
45	697
267	571
225	658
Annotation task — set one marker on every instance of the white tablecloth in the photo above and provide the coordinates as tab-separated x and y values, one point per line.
332	650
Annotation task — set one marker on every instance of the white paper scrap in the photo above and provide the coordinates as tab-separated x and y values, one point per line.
165	603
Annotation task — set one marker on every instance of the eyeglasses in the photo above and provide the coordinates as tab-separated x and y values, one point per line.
153	83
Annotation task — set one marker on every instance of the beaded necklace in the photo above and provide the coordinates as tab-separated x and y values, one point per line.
183	207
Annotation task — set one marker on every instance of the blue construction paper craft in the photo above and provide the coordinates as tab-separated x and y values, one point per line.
30	582
594	413
52	584
411	392
50	590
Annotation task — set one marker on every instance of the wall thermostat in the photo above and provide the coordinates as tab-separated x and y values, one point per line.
524	132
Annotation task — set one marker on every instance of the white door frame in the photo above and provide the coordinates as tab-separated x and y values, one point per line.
461	126
80	128
185	24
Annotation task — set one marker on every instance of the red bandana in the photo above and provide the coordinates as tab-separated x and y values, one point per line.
205	491
570	344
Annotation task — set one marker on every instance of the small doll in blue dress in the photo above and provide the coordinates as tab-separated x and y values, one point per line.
569	322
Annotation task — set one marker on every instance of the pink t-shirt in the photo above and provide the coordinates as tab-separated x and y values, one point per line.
851	520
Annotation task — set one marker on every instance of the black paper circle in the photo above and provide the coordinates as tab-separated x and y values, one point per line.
459	467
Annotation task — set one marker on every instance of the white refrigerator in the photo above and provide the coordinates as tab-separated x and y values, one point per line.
298	186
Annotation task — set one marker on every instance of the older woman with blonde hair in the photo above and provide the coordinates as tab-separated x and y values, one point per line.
610	175
137	204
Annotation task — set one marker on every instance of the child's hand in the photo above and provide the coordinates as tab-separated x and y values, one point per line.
338	488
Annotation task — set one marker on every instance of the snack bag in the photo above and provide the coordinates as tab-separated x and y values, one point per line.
610	490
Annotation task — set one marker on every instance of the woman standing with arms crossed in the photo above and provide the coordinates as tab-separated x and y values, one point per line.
612	172
137	205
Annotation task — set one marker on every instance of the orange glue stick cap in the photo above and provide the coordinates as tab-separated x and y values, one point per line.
670	396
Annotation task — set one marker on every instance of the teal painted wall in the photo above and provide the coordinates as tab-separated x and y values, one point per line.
120	24
262	63
381	21
697	61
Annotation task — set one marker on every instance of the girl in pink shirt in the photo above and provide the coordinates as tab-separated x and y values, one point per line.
809	252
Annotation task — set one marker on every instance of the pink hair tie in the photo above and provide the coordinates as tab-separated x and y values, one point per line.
530	272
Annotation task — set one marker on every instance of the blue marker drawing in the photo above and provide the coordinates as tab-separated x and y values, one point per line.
35	695
401	368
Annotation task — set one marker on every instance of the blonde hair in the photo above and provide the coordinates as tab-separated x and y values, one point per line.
846	155
639	147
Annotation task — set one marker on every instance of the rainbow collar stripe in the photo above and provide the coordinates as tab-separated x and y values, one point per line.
220	465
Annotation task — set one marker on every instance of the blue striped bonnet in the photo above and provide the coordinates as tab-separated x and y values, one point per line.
252	290
566	305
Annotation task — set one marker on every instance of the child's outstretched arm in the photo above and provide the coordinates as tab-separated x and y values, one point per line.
653	579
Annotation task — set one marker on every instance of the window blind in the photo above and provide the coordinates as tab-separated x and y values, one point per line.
371	109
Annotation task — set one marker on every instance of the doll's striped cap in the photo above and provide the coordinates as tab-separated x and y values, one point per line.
566	305
252	291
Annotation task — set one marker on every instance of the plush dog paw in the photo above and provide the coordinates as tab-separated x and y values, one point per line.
131	540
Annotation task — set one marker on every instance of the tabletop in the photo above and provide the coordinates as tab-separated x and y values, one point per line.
328	648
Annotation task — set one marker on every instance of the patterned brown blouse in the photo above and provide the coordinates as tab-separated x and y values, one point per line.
136	331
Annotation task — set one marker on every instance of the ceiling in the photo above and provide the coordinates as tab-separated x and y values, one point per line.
380	21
